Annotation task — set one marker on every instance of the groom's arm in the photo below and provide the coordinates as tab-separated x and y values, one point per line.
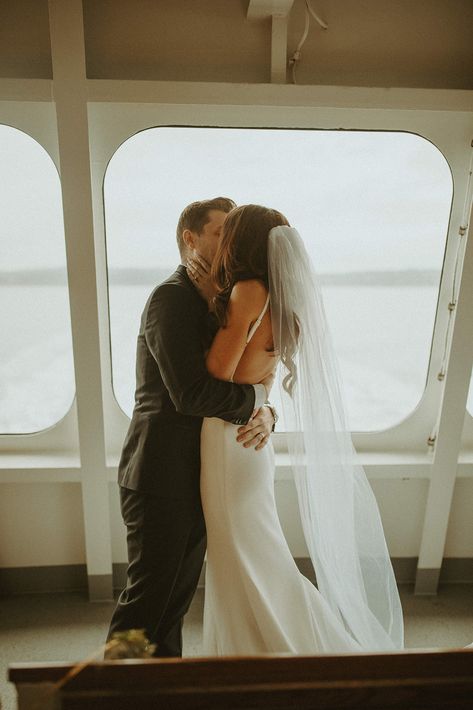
173	332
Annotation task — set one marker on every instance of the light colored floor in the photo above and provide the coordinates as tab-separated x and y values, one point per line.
66	627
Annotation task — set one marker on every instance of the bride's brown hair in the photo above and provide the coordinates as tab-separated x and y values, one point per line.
243	250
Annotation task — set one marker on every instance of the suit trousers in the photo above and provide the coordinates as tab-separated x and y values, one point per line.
166	546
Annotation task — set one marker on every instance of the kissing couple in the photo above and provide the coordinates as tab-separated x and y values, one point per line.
197	468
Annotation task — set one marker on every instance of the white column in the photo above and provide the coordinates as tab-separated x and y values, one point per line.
450	425
70	95
278	11
278	49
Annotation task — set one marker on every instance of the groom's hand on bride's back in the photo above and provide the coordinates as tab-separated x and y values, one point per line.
256	433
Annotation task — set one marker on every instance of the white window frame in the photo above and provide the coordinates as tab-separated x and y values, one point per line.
117	110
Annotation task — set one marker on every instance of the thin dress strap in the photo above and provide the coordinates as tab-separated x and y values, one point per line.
255	325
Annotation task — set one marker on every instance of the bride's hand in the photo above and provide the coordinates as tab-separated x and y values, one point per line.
198	270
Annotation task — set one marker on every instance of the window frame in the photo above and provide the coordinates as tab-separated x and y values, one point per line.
279	435
117	110
413	428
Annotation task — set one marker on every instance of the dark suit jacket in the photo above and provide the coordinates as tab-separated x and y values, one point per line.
174	391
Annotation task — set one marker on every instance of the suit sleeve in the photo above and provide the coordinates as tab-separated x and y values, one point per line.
173	332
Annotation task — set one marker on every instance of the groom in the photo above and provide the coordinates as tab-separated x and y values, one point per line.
159	469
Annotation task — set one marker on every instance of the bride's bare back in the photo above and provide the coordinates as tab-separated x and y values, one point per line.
257	361
230	356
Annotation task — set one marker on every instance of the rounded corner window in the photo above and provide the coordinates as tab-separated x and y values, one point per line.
36	363
372	206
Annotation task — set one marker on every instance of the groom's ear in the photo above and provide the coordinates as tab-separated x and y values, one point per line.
189	238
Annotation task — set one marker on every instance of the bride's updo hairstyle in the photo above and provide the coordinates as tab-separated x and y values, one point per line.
243	251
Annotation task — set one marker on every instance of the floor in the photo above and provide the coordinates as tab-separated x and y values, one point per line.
66	627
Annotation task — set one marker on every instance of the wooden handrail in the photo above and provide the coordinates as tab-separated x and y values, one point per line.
411	680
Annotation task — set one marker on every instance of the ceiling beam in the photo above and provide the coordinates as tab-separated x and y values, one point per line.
260	9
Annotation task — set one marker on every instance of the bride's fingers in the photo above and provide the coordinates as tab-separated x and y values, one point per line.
190	270
194	267
199	266
201	263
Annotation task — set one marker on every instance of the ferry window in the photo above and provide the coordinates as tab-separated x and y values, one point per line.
372	206
36	366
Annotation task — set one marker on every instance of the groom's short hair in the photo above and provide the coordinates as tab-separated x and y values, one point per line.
196	215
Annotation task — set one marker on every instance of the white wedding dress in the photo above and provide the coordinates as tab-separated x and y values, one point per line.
256	600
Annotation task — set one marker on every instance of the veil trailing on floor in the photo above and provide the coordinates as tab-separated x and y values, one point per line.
340	516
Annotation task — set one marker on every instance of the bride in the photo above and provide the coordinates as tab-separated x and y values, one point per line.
271	313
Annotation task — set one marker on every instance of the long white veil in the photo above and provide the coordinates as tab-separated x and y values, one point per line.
340	516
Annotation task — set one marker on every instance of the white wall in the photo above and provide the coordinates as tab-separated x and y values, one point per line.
41	498
42	524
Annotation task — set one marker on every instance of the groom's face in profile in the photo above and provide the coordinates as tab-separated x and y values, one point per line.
206	243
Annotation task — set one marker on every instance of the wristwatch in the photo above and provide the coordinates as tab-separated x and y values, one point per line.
273	412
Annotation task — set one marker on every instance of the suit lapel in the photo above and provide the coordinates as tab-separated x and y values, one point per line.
209	321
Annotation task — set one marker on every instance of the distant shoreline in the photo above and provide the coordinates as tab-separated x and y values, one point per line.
151	277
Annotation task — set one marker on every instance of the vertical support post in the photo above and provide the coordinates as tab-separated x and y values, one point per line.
448	441
279	11
278	49
70	94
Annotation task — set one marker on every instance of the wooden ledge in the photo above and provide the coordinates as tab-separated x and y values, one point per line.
413	680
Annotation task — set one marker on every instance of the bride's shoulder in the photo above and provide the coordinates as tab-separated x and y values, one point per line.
250	292
250	287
